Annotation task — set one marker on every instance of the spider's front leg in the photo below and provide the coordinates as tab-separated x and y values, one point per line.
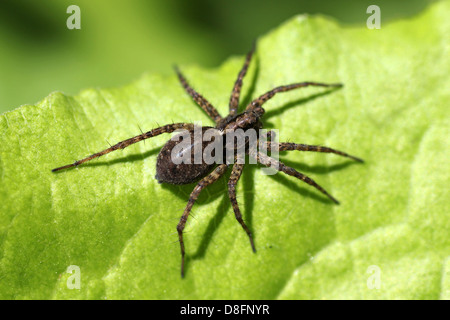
287	146
235	175
258	102
235	94
280	166
198	98
206	181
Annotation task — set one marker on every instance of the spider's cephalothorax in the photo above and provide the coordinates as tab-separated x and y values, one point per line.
169	172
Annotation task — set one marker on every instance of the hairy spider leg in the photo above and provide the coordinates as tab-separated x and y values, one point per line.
125	143
287	146
258	102
235	94
235	175
280	166
198	98
271	136
206	181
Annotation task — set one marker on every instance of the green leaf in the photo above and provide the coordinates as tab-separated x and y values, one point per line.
112	219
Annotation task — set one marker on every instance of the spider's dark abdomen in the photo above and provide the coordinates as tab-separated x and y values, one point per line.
181	173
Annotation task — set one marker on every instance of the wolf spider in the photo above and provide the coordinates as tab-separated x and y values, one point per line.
168	172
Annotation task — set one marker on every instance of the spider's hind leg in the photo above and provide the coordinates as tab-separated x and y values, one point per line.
125	143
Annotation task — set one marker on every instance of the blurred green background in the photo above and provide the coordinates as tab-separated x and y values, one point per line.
120	40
